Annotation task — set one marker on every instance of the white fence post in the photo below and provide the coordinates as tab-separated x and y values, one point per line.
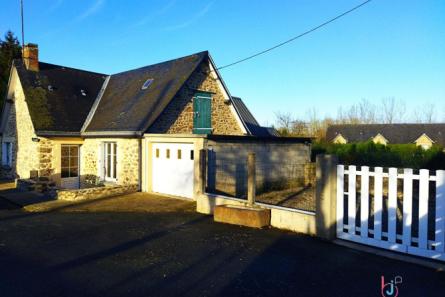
392	204
340	198
351	199
424	181
378	202
364	202
440	211
407	205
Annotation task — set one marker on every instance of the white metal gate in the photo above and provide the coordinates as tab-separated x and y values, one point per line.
395	209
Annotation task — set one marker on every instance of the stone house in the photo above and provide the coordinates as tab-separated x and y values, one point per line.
142	128
423	135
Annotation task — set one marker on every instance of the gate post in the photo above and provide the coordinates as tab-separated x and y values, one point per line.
325	196
202	181
251	179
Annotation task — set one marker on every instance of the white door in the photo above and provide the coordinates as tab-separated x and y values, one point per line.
110	161
172	169
70	166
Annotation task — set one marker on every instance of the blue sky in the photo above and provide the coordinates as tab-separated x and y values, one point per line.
385	49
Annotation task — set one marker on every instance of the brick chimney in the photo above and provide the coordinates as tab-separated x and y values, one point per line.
31	57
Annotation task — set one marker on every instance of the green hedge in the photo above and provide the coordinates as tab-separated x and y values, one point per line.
392	155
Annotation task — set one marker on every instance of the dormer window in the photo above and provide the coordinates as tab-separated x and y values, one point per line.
424	141
83	92
51	88
147	83
380	139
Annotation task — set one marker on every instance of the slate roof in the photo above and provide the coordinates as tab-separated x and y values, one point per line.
250	122
124	106
54	96
394	133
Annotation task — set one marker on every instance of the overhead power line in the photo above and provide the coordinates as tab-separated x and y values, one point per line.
296	37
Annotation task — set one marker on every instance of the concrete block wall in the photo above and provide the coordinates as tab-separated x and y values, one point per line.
277	164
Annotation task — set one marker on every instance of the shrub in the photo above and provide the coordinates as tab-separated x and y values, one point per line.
392	155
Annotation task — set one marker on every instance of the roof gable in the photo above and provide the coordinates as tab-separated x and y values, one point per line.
125	106
339	139
424	139
380	139
58	98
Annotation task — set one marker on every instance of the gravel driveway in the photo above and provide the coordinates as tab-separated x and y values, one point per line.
176	252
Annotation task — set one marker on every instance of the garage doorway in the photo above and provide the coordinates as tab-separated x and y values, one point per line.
173	169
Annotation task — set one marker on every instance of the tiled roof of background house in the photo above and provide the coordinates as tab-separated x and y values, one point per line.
59	98
394	133
125	106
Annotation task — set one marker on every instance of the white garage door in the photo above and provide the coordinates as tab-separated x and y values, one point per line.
173	169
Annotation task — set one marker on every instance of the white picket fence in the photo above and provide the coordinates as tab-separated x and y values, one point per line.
359	230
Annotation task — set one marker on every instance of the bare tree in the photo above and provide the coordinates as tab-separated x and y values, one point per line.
284	122
299	128
367	112
392	110
425	113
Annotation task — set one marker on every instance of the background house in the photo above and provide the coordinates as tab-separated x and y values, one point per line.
424	135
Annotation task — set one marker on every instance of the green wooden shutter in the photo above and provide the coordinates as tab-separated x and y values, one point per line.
202	113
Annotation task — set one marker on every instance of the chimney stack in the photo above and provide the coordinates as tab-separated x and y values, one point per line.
31	57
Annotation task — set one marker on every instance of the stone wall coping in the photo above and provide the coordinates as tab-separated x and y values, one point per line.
269	206
108	187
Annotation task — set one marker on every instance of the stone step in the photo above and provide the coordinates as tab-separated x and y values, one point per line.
242	215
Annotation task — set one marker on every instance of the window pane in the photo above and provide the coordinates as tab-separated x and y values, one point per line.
192	155
179	155
114	164
74	150
168	154
74	172
108	166
65	151
65	172
157	153
65	162
74	162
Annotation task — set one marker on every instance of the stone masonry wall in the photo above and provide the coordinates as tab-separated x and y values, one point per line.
20	131
95	193
46	158
177	118
127	160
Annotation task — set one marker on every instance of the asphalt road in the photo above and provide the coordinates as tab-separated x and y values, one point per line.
184	254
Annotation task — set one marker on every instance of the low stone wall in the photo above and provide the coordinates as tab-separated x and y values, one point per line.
293	220
94	193
280	217
205	203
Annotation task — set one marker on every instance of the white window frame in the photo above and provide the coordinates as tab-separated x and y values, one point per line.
7	153
113	170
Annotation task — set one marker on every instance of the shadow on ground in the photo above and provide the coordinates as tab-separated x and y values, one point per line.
184	254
